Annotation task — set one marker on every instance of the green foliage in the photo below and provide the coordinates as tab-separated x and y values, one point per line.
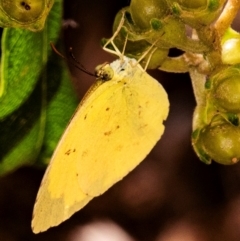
36	96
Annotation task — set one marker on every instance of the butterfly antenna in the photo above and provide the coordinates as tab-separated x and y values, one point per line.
74	58
111	40
75	64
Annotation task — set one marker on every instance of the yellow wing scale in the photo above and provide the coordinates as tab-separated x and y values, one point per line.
114	129
59	196
128	122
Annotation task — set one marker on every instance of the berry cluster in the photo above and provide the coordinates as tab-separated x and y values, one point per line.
201	29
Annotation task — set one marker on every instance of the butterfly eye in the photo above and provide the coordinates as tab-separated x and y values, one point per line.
24	11
105	76
104	72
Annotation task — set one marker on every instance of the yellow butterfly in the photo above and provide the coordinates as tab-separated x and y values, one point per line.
114	128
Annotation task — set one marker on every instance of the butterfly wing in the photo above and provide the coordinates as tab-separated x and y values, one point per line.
114	129
123	123
59	196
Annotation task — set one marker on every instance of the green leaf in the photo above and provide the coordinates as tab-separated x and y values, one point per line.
61	104
23	55
37	98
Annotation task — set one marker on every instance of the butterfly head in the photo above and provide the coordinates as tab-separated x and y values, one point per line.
104	72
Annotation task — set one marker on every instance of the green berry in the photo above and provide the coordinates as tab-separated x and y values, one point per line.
142	11
24	11
221	143
224	92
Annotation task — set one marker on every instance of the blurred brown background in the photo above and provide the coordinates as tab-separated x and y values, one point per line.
171	196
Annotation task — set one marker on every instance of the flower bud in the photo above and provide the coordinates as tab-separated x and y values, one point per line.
219	142
231	47
30	14
143	11
23	11
197	13
225	89
136	48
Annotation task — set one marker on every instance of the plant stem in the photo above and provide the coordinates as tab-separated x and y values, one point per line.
227	16
198	82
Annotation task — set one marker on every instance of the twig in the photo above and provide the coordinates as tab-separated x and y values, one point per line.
227	16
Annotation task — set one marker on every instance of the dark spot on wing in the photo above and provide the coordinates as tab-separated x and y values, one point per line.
68	152
139	110
107	133
107	109
119	147
143	126
117	127
85	153
85	117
